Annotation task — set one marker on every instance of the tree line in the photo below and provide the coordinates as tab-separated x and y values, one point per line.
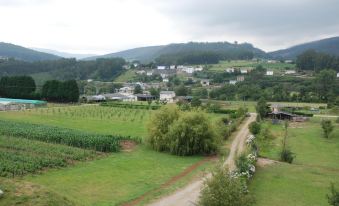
316	61
66	69
24	87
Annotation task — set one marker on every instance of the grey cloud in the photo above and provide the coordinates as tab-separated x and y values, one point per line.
277	22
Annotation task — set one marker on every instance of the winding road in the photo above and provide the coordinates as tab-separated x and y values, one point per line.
189	195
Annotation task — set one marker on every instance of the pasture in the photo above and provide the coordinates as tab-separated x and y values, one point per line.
307	180
251	64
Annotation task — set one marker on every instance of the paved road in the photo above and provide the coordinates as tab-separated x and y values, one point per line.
189	195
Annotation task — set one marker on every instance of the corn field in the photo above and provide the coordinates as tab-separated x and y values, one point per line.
69	137
21	156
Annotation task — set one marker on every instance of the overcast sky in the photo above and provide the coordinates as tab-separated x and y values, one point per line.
104	26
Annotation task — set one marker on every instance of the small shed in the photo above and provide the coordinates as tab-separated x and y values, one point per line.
145	97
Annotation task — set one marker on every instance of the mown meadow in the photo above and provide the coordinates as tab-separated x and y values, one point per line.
307	180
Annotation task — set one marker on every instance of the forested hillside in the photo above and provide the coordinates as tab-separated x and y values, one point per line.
328	46
22	53
66	69
174	53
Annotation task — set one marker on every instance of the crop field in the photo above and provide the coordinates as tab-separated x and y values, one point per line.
307	180
20	156
70	137
251	64
92	118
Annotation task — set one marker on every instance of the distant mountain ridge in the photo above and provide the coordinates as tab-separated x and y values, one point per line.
63	54
146	54
21	53
328	46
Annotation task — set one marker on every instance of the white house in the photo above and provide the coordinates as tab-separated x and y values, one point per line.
172	67
149	73
243	71
165	80
198	69
290	72
233	82
180	67
89	80
271	61
288	61
126	90
229	70
188	70
141	72
269	73
161	67
167	96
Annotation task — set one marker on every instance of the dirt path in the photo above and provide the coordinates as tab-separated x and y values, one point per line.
189	195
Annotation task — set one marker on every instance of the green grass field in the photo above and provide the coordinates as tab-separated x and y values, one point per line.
128	75
251	64
111	180
307	180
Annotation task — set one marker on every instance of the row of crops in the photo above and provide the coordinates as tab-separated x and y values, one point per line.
20	156
93	112
130	106
65	136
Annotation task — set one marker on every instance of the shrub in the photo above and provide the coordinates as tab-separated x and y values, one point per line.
333	198
192	134
182	133
287	155
224	190
159	125
327	127
255	128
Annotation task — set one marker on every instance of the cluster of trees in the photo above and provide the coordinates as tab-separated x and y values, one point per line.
324	88
316	61
181	133
18	87
66	69
202	57
58	91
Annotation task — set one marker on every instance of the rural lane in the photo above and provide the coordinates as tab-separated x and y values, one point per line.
189	195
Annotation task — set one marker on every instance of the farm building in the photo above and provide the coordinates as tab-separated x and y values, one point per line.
94	98
229	70
205	82
290	72
120	97
145	97
167	96
161	67
19	104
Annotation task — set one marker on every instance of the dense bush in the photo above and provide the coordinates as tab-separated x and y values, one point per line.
57	91
181	133
222	189
287	155
70	137
17	87
327	127
255	128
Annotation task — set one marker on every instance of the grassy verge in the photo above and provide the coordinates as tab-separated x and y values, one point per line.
307	180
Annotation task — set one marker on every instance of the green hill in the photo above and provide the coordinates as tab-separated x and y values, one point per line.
328	46
147	54
21	53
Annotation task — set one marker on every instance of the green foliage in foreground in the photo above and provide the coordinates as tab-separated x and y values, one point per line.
224	190
50	134
327	127
181	133
21	156
333	198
